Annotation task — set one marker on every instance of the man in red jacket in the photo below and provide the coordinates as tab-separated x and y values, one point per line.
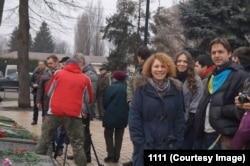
67	90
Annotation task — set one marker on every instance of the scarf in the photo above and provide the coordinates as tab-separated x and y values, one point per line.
161	89
181	76
207	71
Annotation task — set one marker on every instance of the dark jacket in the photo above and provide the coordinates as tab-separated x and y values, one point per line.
35	79
41	96
102	84
156	122
130	84
91	73
222	108
115	105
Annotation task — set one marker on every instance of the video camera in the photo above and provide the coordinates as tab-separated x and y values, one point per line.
243	97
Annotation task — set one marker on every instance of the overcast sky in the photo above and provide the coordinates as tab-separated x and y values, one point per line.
9	22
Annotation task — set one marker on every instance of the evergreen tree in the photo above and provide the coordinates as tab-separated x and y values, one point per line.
13	40
122	32
43	41
116	60
204	20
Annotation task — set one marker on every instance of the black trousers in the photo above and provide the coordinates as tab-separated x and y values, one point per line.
35	109
87	142
113	138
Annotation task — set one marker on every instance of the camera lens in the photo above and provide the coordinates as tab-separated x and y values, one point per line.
243	98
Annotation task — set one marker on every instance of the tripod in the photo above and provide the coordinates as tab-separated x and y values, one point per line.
64	136
88	141
93	147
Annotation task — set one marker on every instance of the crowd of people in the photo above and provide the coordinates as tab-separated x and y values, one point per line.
202	103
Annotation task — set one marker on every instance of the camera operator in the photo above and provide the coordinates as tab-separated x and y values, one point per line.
88	109
242	101
66	103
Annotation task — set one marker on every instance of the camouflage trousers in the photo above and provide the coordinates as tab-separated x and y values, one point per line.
74	129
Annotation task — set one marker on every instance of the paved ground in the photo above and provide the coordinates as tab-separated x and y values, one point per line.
24	118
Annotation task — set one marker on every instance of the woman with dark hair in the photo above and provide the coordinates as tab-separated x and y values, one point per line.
192	91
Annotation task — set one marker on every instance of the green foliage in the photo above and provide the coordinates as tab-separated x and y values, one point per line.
12	130
13	41
20	133
32	63
43	41
4	118
205	20
159	20
23	157
116	60
121	30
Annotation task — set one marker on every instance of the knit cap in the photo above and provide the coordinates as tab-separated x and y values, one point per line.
119	75
71	60
64	59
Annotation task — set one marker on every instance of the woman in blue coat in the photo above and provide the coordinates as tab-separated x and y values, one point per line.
115	118
156	116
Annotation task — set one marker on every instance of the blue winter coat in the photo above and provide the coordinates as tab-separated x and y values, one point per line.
115	105
156	122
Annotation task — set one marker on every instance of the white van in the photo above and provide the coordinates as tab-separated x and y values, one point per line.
10	69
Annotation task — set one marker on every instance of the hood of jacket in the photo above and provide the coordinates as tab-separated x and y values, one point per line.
229	65
72	67
88	67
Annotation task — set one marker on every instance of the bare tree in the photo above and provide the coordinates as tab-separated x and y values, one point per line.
53	12
23	58
3	45
98	47
61	47
168	31
82	35
55	15
1	10
88	38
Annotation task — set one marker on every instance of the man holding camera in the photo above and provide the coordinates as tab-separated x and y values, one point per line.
216	122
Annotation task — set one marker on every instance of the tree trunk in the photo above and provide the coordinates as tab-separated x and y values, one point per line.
23	55
1	10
